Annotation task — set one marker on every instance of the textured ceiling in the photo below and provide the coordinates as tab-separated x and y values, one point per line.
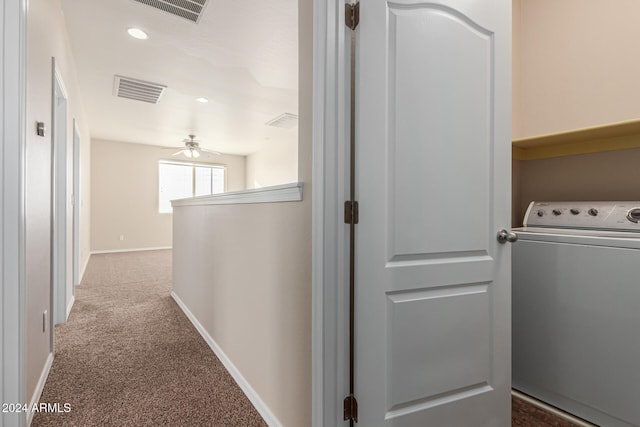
242	56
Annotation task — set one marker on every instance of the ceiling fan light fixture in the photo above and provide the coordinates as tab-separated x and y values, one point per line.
192	150
137	33
202	100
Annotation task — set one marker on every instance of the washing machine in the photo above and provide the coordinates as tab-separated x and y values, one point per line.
576	309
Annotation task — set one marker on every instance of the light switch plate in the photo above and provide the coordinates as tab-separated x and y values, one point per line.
40	128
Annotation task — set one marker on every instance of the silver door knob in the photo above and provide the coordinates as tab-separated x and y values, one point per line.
505	236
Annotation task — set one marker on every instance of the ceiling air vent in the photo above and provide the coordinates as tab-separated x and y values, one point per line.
187	9
139	90
286	121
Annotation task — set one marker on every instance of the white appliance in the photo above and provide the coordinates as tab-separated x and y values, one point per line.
576	309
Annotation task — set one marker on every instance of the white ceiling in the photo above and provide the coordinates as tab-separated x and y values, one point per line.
242	55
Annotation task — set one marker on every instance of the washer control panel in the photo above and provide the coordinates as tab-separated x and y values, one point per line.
619	216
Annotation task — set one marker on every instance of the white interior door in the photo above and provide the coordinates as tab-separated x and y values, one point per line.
433	130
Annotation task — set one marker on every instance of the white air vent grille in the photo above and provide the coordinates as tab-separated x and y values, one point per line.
125	87
286	121
187	9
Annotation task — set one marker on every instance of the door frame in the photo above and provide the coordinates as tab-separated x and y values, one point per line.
330	283
330	296
75	170
13	20
59	205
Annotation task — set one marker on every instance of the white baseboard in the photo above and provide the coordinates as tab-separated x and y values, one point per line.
114	251
70	305
39	387
255	399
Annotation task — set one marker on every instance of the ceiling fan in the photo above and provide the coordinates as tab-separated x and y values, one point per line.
192	149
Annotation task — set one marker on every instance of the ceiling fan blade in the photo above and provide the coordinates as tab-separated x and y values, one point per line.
177	153
215	153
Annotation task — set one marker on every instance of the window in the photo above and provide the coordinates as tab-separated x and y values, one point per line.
178	180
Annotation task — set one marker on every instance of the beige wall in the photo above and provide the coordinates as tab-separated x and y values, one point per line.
516	193
276	163
516	73
124	188
244	271
47	38
577	64
574	67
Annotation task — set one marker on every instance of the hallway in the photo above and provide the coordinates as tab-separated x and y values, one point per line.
129	356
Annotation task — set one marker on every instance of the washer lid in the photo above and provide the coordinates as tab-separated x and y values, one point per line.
618	216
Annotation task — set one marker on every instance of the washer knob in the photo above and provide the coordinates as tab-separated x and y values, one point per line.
557	212
634	215
575	211
593	212
540	212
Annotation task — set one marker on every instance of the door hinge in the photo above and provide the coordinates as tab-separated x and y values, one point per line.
350	408
352	15
351	214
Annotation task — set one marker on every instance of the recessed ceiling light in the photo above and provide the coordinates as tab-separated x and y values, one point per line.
203	100
137	33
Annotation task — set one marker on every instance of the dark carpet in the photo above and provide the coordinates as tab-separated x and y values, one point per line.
128	356
524	414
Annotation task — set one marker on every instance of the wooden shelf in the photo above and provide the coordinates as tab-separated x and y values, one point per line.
615	136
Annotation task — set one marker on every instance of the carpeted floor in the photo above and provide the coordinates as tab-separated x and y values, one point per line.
129	357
